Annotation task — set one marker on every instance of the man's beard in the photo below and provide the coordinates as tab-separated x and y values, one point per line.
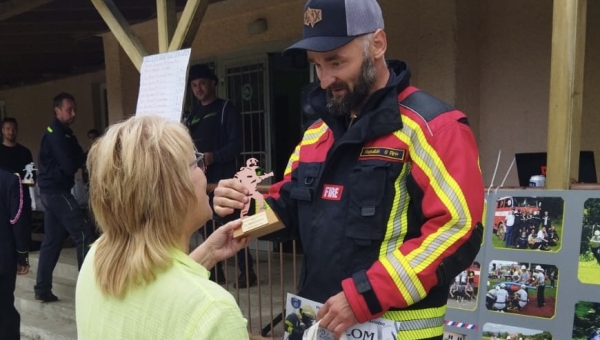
342	106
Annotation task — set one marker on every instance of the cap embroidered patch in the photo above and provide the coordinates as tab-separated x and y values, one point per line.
383	153
312	16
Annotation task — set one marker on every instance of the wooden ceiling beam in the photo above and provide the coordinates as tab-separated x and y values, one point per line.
15	7
188	25
166	14
122	31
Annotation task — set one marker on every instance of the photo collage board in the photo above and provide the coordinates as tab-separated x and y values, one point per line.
537	275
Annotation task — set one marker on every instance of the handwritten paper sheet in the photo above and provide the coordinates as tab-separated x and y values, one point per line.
162	84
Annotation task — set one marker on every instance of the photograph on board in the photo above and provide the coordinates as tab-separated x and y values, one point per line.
463	291
528	223
455	336
586	325
589	251
494	331
522	288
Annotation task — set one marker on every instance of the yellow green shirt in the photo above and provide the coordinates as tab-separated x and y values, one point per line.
182	303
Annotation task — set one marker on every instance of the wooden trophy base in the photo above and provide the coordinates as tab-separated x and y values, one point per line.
28	181
261	224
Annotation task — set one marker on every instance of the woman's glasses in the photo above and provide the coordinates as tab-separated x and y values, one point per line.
199	161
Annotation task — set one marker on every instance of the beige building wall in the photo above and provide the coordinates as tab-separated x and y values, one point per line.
489	59
515	82
32	107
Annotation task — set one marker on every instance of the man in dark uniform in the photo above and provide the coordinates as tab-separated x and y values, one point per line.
14	251
216	128
60	158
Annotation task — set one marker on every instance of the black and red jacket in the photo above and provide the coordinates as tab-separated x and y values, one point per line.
399	194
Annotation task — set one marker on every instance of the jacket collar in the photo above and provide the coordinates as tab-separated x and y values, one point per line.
379	116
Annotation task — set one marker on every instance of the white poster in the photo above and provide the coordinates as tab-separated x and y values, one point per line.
162	84
301	314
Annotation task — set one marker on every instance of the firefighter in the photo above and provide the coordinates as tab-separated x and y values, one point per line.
384	190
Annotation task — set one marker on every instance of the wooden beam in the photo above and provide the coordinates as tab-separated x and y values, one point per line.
167	21
566	92
120	28
16	7
188	24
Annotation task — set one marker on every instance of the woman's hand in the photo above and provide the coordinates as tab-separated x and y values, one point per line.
219	246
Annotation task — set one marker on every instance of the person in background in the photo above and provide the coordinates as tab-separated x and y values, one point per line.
384	190
14	157
148	195
14	251
60	158
92	135
216	129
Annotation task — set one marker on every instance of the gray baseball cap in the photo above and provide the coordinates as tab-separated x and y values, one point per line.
329	24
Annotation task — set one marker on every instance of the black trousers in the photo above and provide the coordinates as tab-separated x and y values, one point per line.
540	296
10	320
62	215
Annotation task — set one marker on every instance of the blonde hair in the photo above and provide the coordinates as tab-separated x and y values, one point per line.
140	193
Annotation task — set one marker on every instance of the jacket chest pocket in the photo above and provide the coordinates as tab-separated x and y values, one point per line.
308	175
365	216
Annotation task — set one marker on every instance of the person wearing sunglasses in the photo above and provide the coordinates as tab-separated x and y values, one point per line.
148	196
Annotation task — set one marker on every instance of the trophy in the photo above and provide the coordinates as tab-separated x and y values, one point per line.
264	221
29	169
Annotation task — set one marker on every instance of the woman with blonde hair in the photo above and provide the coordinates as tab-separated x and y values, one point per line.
148	195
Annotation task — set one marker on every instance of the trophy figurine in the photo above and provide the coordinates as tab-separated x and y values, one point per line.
29	169
264	221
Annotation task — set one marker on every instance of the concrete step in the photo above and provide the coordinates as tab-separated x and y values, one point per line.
61	287
39	327
26	304
66	266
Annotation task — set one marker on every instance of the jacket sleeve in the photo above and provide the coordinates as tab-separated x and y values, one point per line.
445	167
232	146
20	231
68	154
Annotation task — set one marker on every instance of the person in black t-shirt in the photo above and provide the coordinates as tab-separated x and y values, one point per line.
216	129
13	158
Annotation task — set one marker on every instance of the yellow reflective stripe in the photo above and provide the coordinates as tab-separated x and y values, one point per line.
398	222
49	129
312	135
408	276
447	191
293	158
404	315
400	284
418	324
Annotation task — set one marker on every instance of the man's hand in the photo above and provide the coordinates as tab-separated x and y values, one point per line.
22	270
219	246
336	315
230	194
208	158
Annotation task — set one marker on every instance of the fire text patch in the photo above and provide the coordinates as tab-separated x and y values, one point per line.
332	192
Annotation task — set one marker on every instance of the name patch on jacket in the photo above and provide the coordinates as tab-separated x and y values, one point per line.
332	192
395	155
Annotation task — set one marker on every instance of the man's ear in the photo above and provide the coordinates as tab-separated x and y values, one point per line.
379	44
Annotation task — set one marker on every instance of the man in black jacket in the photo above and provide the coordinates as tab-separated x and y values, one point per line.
14	251
216	128
60	158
